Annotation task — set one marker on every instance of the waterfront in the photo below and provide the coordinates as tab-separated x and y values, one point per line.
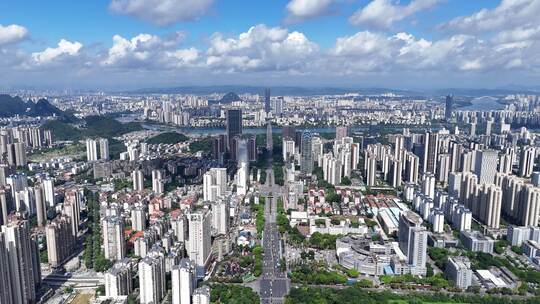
212	131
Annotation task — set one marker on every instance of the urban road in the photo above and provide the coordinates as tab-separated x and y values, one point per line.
274	284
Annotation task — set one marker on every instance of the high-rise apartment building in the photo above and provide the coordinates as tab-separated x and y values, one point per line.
459	271
157	182
91	150
486	166
214	183
113	237
152	284
19	264
138	180
200	229
104	149
60	240
184	281
413	241
118	279
526	161
306	154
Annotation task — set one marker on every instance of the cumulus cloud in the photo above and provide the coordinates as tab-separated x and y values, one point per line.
261	48
12	34
161	12
508	14
65	49
382	14
299	10
267	52
149	52
368	52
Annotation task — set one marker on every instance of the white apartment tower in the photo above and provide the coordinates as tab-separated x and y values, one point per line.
118	279
152	278
91	150
200	237
184	281
214	183
138	180
113	237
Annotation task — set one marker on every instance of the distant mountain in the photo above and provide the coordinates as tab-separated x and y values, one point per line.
11	106
275	91
484	92
230	97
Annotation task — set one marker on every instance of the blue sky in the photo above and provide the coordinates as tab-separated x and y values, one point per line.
361	43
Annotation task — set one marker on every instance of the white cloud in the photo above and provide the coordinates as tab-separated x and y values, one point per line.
264	52
368	52
382	14
508	14
12	33
149	52
261	48
65	49
306	9
161	12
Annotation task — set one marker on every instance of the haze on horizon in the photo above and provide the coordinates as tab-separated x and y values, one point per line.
128	44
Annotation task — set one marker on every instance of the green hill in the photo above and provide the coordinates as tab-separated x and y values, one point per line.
104	126
168	138
93	126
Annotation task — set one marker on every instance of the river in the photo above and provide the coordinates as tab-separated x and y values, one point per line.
485	103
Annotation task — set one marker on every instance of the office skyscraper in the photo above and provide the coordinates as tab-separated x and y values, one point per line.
448	107
269	139
234	125
252	148
431	146
267	108
288	132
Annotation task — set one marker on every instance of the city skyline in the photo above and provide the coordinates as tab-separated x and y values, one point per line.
124	44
